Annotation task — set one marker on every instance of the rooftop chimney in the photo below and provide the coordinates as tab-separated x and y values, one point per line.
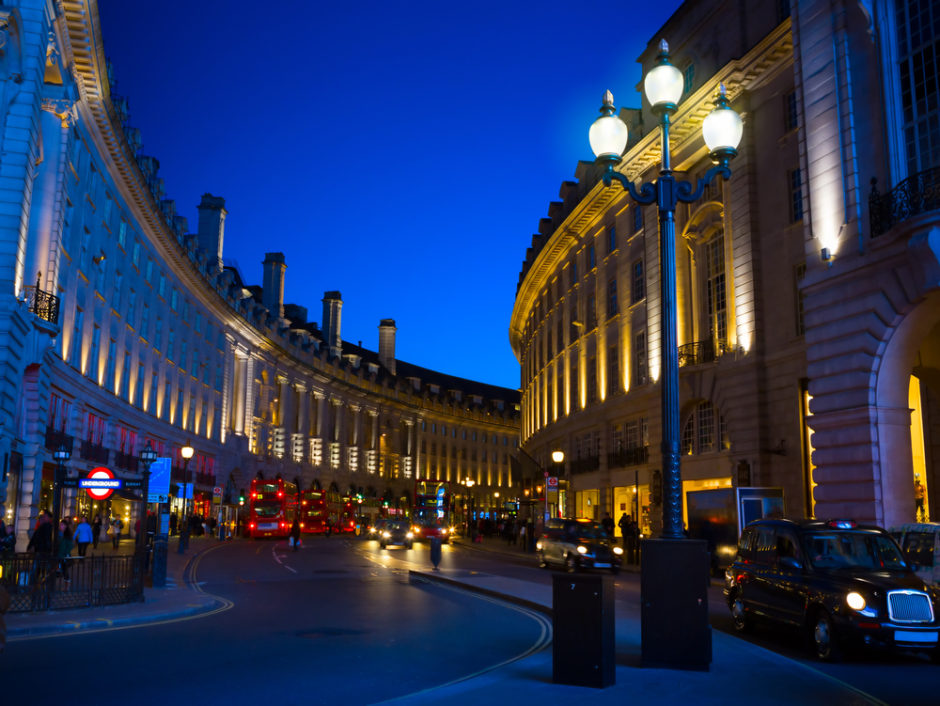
212	228
387	344
272	286
332	308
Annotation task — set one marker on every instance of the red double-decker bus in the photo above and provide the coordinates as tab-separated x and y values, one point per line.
431	514
272	505
342	512
313	511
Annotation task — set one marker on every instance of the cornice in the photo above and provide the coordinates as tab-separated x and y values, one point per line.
773	53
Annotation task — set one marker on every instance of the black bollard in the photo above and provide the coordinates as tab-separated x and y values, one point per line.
436	552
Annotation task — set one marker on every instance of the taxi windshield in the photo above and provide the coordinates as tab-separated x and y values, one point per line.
852	550
585	530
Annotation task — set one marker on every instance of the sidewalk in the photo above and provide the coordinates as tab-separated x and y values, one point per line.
176	600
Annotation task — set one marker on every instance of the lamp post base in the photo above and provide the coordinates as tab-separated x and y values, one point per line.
674	631
159	561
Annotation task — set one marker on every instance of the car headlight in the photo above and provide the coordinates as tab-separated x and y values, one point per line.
538	546
618	551
856	601
410	535
386	534
443	530
582	549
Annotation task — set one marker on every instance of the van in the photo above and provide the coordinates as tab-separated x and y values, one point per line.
920	542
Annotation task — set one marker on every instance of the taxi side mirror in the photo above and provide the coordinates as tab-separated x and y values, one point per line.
788	562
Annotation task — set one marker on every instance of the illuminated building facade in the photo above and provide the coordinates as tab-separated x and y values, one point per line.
808	312
120	326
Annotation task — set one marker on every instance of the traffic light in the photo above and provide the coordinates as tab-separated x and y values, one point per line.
241	497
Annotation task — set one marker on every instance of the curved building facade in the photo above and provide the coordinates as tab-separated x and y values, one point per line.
122	327
806	330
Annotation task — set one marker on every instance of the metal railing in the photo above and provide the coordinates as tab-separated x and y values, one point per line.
635	456
126	461
585	465
917	194
35	582
42	304
91	451
55	439
701	352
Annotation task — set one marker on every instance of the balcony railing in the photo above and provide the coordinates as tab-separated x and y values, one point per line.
42	304
126	461
636	456
585	465
700	352
917	194
93	452
55	439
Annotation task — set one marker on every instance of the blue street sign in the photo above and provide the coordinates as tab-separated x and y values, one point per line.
159	489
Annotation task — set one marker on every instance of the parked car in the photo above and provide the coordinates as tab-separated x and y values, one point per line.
396	533
578	544
920	542
837	581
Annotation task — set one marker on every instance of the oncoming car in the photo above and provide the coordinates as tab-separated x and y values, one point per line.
396	533
376	527
578	544
835	580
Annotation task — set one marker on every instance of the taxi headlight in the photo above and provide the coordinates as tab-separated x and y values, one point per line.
856	601
618	550
538	546
386	534
582	549
410	535
443	530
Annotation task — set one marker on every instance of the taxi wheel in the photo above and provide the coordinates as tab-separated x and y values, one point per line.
382	545
542	563
738	614
408	545
571	564
824	638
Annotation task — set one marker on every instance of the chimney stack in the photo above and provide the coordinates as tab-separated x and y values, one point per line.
387	344
332	309
272	286
212	228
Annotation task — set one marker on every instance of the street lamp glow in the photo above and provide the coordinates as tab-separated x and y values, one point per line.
558	456
187	451
62	454
608	134
722	129
664	84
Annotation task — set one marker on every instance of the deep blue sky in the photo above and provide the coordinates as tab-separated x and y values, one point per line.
399	152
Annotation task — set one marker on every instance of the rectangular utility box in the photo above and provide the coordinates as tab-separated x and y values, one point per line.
583	644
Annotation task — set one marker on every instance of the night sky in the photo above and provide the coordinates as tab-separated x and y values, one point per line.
399	152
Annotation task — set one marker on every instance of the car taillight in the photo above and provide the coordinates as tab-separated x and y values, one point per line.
251	525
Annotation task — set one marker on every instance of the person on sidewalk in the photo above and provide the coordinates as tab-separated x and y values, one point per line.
608	524
295	535
96	531
83	536
41	541
65	549
116	526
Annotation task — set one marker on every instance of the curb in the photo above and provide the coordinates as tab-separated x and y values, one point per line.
421	576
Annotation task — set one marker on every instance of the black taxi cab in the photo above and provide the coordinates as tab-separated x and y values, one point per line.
578	544
836	580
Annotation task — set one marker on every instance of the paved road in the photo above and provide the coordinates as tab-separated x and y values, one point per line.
335	622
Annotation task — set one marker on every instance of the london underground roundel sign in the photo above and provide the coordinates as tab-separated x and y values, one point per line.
100	483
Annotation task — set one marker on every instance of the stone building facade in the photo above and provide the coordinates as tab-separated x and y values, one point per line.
807	307
120	326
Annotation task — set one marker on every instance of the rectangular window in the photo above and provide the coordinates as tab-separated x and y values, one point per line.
116	291
94	353
613	370
131	306
611	297
789	111
591	380
573	271
591	311
799	273
60	411
76	356
637	219
174	299
560	333
611	239
167	390
95	428
639	358
145	321
109	379
795	186
135	254
122	234
152	405
560	388
161	287
170	344
148	272
573	385
688	77
573	317
638	282
126	376
590	255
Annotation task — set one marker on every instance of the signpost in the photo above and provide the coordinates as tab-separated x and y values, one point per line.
159	490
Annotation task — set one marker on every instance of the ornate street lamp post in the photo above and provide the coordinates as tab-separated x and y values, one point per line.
722	131
61	456
146	457
187	453
558	458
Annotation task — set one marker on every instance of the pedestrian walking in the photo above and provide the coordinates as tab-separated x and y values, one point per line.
96	531
83	536
608	524
41	541
65	549
116	526
295	535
